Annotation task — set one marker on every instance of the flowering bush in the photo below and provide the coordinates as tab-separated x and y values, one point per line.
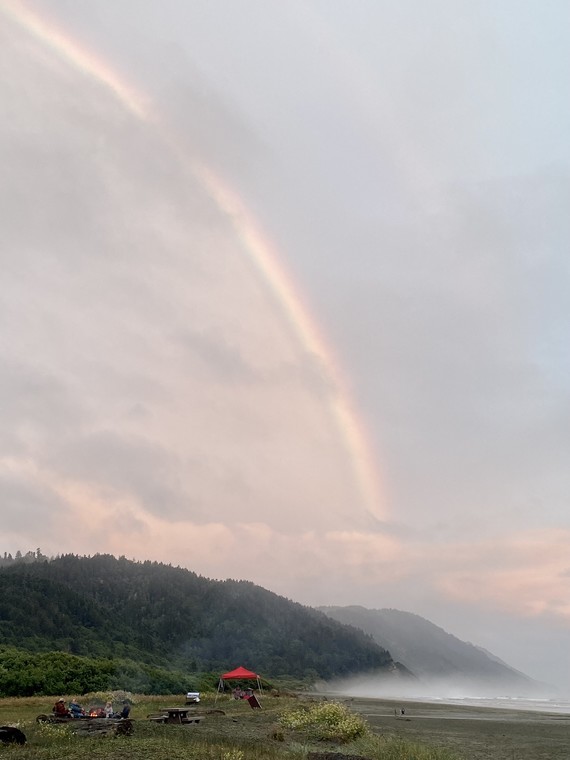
326	720
232	754
57	732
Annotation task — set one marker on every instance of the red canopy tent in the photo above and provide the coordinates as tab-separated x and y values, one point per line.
239	674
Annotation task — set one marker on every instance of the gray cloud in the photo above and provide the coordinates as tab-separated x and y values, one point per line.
225	362
468	401
26	504
134	467
36	405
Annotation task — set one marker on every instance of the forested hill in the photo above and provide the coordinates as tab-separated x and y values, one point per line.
106	607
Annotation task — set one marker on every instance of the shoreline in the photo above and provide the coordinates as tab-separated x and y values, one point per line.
427	708
560	707
474	732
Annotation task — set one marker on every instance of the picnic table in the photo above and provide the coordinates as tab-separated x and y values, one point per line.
176	715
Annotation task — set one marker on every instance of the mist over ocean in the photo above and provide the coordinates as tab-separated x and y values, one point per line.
557	705
544	698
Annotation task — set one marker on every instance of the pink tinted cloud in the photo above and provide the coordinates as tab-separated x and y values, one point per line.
526	574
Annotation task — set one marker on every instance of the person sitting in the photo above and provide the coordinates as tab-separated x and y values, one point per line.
108	710
60	710
75	709
126	711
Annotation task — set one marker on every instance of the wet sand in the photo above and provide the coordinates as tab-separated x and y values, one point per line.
474	733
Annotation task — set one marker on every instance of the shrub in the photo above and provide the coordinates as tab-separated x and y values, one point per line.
326	720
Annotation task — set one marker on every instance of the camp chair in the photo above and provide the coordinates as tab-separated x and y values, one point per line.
253	702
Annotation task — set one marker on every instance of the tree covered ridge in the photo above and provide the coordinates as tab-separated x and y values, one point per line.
150	612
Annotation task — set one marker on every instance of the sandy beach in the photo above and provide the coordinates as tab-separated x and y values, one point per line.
476	733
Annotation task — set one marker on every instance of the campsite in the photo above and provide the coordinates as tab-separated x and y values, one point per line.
230	730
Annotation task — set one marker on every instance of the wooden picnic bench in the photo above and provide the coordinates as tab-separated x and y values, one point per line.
176	716
157	717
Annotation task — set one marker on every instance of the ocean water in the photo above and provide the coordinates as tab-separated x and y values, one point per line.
556	702
557	705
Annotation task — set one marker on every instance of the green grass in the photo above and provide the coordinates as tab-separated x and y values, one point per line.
239	734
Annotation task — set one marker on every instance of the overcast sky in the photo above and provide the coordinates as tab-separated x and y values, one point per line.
285	296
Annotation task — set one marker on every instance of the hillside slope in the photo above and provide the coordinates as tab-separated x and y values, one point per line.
101	606
431	653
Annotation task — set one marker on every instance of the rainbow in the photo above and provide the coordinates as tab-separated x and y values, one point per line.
254	242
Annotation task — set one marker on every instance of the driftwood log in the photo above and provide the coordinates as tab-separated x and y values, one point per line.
103	727
334	756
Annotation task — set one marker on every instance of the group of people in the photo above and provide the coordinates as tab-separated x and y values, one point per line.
76	711
239	693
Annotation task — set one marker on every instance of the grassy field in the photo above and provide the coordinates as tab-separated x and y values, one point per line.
427	732
235	732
